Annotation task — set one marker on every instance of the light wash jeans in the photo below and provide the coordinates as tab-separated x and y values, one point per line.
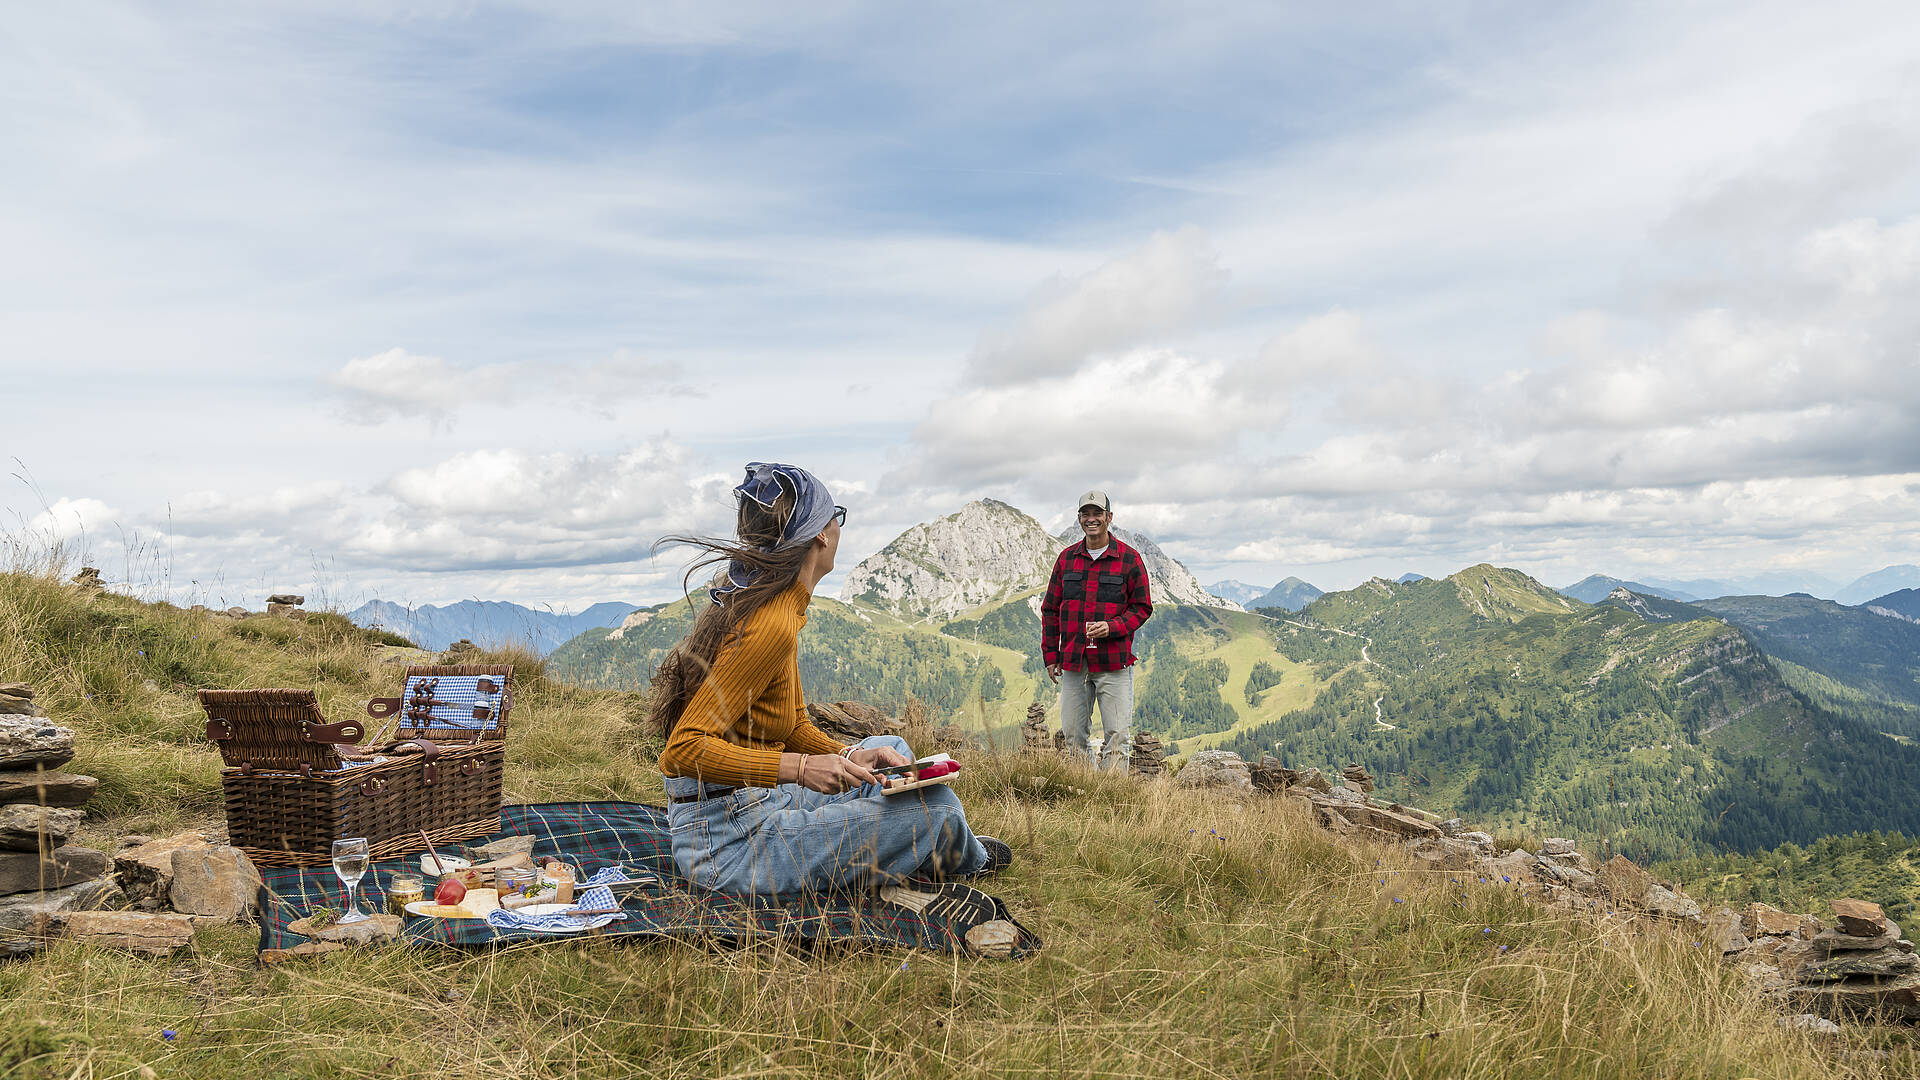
788	839
1078	689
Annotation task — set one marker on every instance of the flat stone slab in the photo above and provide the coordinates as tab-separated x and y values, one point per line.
1896	998
1880	962
287	598
46	788
29	741
38	912
26	871
134	931
28	828
146	870
1860	918
372	931
1624	880
1762	920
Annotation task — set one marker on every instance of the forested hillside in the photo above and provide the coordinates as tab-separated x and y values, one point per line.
1489	695
1880	867
1877	656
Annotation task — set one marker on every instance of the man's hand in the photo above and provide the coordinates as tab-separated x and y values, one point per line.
1053	672
1098	630
879	757
831	774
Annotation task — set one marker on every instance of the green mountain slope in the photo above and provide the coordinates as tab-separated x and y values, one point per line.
1490	695
1653	608
1876	655
1880	867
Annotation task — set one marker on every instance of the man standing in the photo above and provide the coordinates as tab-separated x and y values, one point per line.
1095	601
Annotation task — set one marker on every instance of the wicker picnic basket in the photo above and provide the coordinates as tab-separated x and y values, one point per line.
295	783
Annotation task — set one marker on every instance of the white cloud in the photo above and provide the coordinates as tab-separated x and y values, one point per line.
1143	295
399	384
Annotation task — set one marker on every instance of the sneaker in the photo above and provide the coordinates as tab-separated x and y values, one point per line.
999	856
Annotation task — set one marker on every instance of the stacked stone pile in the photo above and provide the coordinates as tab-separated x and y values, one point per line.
1356	777
1149	755
286	605
1033	730
89	578
1861	966
41	875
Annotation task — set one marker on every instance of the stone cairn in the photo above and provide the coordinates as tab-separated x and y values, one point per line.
286	605
89	578
42	877
1149	755
1861	966
50	887
1033	731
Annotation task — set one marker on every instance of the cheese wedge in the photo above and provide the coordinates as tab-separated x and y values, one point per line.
475	906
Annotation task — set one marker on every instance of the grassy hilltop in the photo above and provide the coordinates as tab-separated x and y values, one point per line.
1185	935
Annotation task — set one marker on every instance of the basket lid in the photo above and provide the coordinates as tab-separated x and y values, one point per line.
456	703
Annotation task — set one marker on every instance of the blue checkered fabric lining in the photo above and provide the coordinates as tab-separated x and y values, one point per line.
462	693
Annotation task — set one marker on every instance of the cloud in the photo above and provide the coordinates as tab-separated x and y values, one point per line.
397	384
1155	290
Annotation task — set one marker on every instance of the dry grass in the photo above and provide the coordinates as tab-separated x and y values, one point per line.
1186	936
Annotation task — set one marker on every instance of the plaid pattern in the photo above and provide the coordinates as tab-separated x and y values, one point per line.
600	834
1111	589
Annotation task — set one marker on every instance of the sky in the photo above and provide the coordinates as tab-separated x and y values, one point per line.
452	300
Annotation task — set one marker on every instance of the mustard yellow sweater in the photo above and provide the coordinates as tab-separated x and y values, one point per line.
750	710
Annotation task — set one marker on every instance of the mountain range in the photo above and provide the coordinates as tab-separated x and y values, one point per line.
1594	588
487	622
1291	594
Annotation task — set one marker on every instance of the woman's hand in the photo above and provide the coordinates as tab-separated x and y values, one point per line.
879	757
831	774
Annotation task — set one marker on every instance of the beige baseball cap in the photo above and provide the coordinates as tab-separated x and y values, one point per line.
1095	498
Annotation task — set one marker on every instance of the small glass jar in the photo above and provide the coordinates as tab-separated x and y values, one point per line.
513	880
404	889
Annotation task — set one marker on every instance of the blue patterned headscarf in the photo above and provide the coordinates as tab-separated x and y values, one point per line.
812	509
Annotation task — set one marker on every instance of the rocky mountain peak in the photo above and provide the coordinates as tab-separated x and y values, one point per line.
987	551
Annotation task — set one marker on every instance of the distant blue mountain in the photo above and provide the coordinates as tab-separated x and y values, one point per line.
1237	591
1292	594
1778	583
1410	576
1904	604
488	623
1879	583
1595	587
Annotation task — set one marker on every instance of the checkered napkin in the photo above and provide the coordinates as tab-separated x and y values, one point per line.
561	922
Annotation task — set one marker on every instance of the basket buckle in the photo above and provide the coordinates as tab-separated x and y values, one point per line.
373	787
218	729
468	767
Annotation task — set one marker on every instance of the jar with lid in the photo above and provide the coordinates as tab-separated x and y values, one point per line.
404	889
513	880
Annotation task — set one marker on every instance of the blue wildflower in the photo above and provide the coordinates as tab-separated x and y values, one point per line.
168	1034
1488	930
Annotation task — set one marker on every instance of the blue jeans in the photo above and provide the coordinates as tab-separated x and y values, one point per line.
789	839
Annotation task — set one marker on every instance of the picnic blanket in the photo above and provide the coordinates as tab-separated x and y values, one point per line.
596	835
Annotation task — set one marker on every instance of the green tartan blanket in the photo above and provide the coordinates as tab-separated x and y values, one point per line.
600	834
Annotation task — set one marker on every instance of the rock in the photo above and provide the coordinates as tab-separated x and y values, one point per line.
373	930
1404	825
283	611
1810	1022
1566	874
1724	931
1878	963
1216	769
146	871
16	699
1833	941
217	882
1625	882
46	788
1516	865
852	721
1453	826
29	828
1557	845
1668	904
1343	794
995	938
26	871
1270	776
1895	998
27	742
1447	853
1312	778
1482	842
1148	757
506	845
290	599
40	912
238	612
1762	920
151	935
301	951
88	578
1033	731
1356	777
1860	918
16	690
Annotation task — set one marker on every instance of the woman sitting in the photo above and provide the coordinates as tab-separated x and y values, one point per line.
760	800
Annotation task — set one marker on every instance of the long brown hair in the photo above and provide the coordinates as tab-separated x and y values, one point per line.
688	662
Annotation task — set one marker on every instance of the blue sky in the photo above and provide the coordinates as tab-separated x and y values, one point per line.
437	301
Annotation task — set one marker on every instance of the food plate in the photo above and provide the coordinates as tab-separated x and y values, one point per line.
439	911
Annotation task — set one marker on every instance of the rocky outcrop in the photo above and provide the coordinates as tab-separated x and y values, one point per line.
1219	769
987	551
286	606
42	875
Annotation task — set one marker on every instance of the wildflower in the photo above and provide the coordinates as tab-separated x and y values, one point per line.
1503	948
1398	900
1506	879
168	1034
1488	930
903	966
142	652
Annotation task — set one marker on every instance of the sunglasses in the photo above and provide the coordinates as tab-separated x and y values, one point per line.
839	515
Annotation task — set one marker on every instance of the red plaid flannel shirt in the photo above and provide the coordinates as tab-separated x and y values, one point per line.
1112	588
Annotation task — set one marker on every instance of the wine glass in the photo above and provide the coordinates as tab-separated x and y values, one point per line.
350	860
